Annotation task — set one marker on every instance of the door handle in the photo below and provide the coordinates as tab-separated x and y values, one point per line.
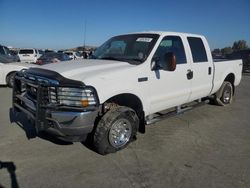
190	74
209	70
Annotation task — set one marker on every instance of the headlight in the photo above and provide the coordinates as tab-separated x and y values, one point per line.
79	97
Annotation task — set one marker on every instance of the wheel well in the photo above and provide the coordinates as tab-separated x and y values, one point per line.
131	101
9	74
230	78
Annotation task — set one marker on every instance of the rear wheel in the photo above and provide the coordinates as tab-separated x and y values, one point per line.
115	130
225	94
10	79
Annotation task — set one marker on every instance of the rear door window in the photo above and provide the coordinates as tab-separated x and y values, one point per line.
198	50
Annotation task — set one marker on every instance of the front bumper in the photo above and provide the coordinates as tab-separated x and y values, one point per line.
67	123
68	126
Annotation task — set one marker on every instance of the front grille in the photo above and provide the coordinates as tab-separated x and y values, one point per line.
31	92
31	89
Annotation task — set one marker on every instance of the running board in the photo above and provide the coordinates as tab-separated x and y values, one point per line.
179	110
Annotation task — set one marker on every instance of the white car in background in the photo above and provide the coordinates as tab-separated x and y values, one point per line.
73	55
8	71
29	55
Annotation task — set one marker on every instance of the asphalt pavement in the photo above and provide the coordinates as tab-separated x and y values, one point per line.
206	147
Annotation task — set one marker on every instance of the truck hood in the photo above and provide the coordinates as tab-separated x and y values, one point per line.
86	69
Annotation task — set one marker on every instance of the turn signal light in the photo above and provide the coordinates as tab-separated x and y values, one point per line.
85	103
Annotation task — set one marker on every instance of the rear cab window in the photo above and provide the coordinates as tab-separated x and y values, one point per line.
198	50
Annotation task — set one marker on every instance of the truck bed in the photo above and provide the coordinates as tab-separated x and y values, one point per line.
222	68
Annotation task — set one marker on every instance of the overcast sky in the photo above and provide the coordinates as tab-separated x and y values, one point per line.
59	24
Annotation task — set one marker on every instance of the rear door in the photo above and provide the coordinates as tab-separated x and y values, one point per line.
202	68
169	89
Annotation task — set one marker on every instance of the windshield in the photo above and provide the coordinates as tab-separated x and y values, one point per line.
133	48
69	53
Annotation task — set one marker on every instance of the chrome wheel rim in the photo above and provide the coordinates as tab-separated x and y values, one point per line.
227	96
120	133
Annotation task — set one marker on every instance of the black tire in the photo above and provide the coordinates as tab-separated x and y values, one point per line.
224	96
107	126
10	79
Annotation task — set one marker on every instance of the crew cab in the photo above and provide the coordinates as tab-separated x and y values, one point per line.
130	81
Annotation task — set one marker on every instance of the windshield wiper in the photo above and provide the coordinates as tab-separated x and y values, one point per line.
133	61
136	59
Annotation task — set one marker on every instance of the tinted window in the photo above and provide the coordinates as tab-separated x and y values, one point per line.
2	50
172	44
69	53
66	57
49	55
78	54
7	51
198	50
26	51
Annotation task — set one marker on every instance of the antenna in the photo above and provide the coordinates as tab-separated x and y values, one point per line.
84	37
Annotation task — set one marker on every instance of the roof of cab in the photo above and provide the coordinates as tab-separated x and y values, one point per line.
168	33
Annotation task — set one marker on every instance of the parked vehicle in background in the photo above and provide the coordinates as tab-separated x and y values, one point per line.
8	70
41	52
6	56
73	55
48	51
84	55
132	80
244	55
29	55
52	57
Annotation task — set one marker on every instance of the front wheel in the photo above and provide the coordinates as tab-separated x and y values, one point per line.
225	94
10	79
116	129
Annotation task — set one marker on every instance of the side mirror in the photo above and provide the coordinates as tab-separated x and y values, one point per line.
168	62
170	59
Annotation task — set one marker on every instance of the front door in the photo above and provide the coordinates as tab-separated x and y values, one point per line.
170	88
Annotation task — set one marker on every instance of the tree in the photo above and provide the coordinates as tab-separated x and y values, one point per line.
216	51
239	45
226	50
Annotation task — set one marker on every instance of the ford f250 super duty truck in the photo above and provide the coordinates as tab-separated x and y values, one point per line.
130	81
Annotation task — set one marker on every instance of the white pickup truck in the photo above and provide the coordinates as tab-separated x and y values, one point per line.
130	81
